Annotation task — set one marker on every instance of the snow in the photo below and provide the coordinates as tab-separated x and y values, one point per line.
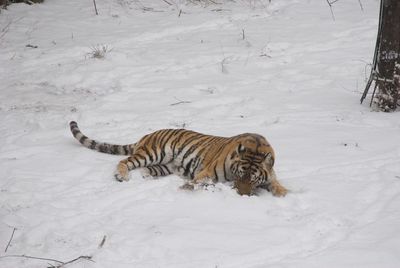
296	78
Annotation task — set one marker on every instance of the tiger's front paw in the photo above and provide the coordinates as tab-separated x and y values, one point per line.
278	190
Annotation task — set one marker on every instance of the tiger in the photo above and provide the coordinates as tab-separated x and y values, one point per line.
198	158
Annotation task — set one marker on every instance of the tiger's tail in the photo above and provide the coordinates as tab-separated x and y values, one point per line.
99	146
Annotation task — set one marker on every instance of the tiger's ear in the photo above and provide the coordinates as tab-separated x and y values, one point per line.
240	149
269	159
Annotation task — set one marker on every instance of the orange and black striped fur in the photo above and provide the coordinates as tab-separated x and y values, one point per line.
195	156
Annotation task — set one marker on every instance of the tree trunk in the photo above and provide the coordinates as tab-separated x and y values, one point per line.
3	3
388	96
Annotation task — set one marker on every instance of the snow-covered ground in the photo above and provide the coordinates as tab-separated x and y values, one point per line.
283	69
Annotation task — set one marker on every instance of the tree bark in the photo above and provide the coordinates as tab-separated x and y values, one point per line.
388	95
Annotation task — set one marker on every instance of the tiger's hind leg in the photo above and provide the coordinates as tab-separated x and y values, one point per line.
138	161
158	170
128	164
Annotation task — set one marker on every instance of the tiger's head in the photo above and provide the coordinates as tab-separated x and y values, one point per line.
253	160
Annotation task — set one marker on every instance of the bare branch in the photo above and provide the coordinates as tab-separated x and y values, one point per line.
361	6
332	2
11	238
179	102
59	265
30	257
5	29
330	7
95	7
89	258
102	241
167	2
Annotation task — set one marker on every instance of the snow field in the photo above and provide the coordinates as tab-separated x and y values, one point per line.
295	78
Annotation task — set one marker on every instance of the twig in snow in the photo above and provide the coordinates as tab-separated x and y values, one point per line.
373	93
361	6
208	90
95	7
89	258
102	241
11	238
5	29
223	68
179	102
167	2
204	3
59	265
31	257
142	7
330	6
332	1
180	12
243	36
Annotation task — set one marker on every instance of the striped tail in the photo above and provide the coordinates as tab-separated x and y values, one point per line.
99	146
